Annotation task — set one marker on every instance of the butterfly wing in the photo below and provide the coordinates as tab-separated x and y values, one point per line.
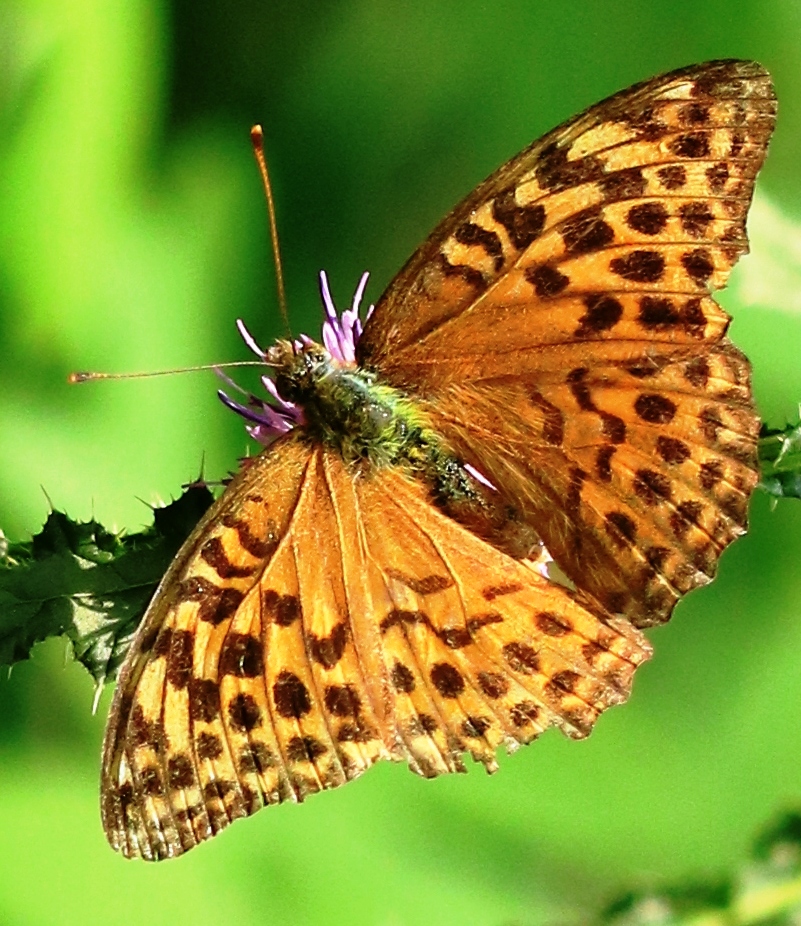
179	756
480	649
320	619
558	326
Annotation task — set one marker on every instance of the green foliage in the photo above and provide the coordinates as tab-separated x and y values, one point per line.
767	890
90	584
780	461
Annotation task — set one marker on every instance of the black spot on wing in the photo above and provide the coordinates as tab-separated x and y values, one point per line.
473	235
546	280
523	224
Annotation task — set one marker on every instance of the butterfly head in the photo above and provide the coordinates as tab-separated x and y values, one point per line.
299	367
342	405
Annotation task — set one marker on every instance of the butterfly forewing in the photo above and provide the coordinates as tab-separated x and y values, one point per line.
171	775
642	192
559	329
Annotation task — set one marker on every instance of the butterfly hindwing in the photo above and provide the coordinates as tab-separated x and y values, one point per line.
648	482
480	648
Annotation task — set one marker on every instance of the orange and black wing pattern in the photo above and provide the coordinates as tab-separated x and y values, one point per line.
317	623
559	329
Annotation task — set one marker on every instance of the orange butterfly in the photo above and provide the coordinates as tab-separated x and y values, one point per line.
548	378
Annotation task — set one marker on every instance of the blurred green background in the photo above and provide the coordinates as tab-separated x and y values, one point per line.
133	233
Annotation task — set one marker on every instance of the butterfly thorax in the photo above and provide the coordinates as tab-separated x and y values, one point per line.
345	407
368	422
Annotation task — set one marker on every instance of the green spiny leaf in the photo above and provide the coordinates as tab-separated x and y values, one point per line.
87	583
780	461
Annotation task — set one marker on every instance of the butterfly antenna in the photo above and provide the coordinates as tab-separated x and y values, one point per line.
85	376
257	140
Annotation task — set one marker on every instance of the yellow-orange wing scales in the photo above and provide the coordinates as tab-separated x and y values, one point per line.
558	328
321	619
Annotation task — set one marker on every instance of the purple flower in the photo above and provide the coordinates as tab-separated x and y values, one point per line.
272	417
340	335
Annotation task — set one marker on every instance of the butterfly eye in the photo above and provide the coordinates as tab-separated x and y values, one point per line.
313	358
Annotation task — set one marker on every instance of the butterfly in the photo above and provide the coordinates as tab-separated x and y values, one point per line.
469	506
